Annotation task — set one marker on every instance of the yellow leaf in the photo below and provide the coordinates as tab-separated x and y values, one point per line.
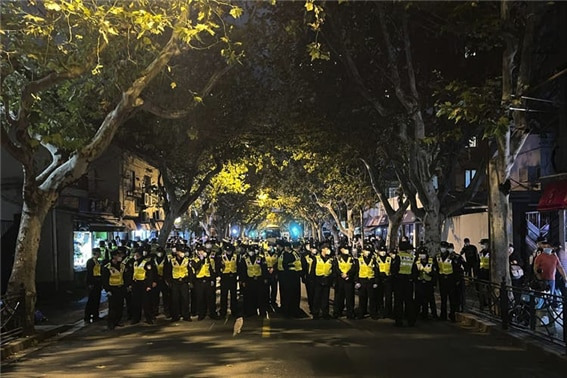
173	85
198	99
52	6
236	12
308	6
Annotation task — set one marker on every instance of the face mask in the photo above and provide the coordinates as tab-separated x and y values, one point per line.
344	251
145	253
136	258
366	253
547	251
173	250
382	253
443	249
325	251
422	256
354	250
251	253
451	250
119	259
208	246
160	254
484	246
186	254
229	252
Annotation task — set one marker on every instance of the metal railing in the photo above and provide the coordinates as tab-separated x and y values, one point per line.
537	312
12	313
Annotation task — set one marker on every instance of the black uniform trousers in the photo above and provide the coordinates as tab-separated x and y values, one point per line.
321	290
483	289
115	305
253	296
384	296
272	290
141	300
367	298
404	305
448	290
310	289
161	290
93	302
425	298
290	293
228	286
179	301
344	291
205	290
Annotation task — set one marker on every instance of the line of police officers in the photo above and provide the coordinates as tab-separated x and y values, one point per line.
184	280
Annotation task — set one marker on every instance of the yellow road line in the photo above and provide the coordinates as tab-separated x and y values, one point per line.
266	328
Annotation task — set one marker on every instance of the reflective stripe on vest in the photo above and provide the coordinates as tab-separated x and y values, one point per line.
485	261
160	267
139	270
425	270
229	264
309	260
179	270
366	270
445	266
385	265
96	268
271	260
280	263
344	266
253	269
116	277
205	270
406	262
323	268
297	266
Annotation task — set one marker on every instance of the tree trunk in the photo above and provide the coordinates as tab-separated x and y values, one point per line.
166	228
394	223
432	224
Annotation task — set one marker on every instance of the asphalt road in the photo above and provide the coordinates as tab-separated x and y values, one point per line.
279	347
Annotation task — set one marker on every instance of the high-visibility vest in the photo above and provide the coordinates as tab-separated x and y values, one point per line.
485	261
139	270
425	270
179	270
96	268
445	266
344	266
406	262
323	268
272	260
297	263
229	264
253	269
205	270
385	265
159	267
280	263
309	260
116	277
366	270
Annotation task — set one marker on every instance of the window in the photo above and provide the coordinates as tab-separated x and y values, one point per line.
392	192
472	142
469	175
147	183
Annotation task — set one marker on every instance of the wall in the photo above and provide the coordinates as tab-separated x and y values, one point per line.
472	226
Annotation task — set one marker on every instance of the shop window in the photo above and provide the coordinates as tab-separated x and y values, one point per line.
469	176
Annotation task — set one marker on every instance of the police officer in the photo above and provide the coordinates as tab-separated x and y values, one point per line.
160	260
271	294
307	275
253	277
447	282
322	272
470	255
424	287
367	283
227	262
114	283
205	284
484	260
94	286
289	274
178	274
384	291
346	270
144	279
404	272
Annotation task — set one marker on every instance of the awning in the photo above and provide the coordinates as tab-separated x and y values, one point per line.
130	224
554	196
409	217
94	222
144	226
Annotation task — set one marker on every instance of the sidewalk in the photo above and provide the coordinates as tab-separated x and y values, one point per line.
62	312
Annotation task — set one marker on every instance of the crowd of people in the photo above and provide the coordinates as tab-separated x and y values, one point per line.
181	279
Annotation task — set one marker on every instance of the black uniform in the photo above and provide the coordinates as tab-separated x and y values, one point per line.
144	279
367	280
447	267
289	275
470	254
346	270
161	288
308	278
114	283
424	287
205	287
228	269
322	272
94	287
384	291
272	284
253	277
404	273
178	274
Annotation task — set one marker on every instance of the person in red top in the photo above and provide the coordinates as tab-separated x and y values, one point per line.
546	265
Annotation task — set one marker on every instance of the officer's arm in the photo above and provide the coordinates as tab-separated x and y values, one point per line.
90	275
105	279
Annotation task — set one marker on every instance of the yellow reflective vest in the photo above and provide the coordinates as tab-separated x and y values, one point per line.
116	277
445	266
179	269
366	270
229	264
96	268
140	270
309	260
205	270
253	269
406	262
384	265
159	267
485	261
344	266
425	270
323	268
272	260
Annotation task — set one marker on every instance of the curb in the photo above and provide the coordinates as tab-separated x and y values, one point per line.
21	344
518	338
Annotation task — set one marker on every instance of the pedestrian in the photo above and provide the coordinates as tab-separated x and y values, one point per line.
425	284
322	271
94	287
404	273
516	273
114	283
470	256
205	284
547	265
367	283
144	280
384	291
178	274
227	262
346	271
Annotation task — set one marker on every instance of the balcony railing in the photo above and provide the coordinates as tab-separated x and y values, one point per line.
13	311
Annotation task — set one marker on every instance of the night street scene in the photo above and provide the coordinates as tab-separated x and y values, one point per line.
270	188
